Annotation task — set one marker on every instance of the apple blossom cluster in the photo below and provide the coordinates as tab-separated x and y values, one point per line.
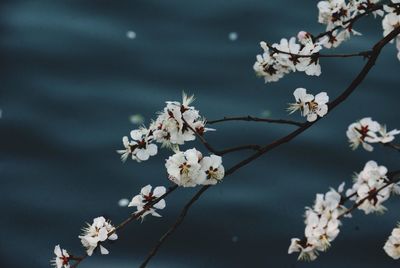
392	245
190	168
322	225
366	131
99	231
372	181
273	65
309	105
62	258
143	201
392	20
172	127
302	54
337	15
370	189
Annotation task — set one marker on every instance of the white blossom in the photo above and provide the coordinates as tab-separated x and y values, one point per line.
310	106
363	132
61	260
125	153
386	137
184	168
302	98
174	124
270	65
99	231
310	65
361	6
333	13
213	168
337	15
367	131
391	21
288	56
190	168
307	252
337	37
322	225
392	245
304	37
368	188
141	146
289	46
146	196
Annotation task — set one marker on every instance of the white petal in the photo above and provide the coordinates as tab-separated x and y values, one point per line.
136	134
136	201
322	98
311	117
114	236
160	205
103	250
322	110
159	191
152	149
57	251
146	190
125	141
142	155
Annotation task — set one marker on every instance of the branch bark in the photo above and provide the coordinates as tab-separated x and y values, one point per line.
256	119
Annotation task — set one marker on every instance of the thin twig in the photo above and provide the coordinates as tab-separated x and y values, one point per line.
179	220
254	147
364	54
256	119
201	138
342	97
225	151
392	145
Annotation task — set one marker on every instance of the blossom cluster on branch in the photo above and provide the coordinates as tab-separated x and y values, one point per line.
392	245
371	188
173	127
176	124
303	53
366	131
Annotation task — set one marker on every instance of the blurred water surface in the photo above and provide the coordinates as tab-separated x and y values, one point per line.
70	80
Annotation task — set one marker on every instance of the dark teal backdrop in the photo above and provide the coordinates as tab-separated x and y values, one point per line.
70	79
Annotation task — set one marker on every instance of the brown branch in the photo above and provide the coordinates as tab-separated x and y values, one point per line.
354	84
364	54
392	145
256	119
254	147
367	67
222	152
176	224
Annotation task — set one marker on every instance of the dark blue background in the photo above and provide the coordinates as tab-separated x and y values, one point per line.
70	79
